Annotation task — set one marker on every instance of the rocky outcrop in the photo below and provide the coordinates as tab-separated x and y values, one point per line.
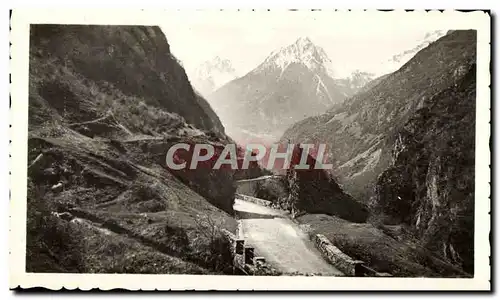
430	184
315	191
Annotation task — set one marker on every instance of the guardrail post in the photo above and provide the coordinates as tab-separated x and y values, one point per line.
239	246
259	261
249	254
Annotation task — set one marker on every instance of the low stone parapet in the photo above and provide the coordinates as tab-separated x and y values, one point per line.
336	257
254	200
342	261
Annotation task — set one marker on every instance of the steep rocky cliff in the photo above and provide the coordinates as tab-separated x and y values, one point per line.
105	105
430	184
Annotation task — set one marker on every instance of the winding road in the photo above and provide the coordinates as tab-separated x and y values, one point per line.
280	240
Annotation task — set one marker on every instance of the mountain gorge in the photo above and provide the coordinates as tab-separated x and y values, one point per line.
292	83
405	145
106	103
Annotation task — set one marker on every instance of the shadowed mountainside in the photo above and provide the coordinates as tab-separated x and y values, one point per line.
430	184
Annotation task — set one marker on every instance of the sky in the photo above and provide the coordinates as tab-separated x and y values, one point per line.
352	41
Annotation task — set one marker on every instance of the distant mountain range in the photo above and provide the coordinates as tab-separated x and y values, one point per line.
396	60
354	83
291	84
212	74
102	102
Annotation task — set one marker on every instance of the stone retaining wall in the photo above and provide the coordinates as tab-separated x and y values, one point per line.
254	200
251	186
342	261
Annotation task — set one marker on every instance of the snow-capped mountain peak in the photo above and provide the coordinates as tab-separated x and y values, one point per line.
303	51
212	74
303	42
409	53
217	64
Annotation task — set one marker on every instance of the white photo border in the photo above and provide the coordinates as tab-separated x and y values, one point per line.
19	37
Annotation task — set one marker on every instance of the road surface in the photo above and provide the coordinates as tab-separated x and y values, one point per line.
278	239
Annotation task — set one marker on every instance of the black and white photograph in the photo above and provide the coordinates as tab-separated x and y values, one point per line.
250	149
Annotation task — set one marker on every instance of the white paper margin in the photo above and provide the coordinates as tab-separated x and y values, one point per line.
22	18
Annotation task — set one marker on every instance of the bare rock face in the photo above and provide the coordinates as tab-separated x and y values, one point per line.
430	185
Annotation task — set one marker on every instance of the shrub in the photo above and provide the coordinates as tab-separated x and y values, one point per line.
272	189
52	245
211	247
